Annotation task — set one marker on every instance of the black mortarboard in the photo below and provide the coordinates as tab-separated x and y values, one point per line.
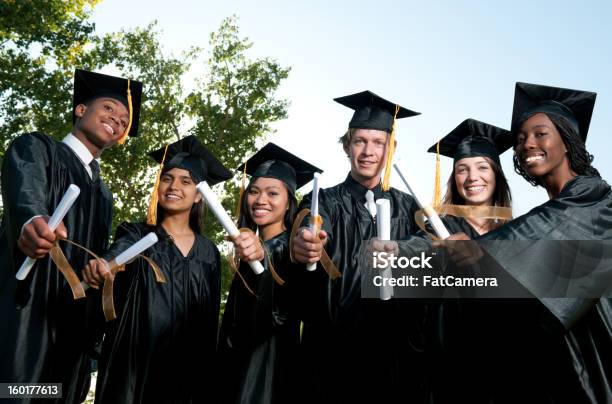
372	111
474	138
89	86
574	105
191	155
275	162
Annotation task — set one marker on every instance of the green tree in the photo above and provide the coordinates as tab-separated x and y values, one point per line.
230	109
40	42
233	106
128	169
235	103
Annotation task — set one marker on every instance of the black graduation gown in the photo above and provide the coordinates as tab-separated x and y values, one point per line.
550	349
456	354
161	346
260	334
356	349
45	333
448	363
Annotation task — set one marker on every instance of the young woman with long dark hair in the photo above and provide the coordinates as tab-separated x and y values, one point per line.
260	332
161	348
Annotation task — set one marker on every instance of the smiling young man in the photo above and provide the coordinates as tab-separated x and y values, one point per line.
343	334
45	335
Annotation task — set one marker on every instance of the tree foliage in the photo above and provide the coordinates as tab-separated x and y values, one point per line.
40	43
229	109
127	168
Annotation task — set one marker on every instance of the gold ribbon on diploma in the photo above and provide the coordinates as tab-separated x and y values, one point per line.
465	211
235	262
328	265
108	304
62	264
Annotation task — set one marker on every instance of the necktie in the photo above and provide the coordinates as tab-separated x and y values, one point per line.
95	170
370	204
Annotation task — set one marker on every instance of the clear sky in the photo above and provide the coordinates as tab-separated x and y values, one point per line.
450	60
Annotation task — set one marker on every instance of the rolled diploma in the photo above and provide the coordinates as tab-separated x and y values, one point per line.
314	212
64	206
383	227
224	219
431	214
135	249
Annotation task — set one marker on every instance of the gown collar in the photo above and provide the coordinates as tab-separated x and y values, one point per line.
583	187
80	150
358	191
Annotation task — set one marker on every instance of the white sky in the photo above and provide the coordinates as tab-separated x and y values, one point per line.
449	60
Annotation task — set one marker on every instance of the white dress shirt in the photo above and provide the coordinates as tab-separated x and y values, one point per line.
81	152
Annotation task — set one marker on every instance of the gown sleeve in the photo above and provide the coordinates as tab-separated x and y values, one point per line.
126	235
25	182
570	268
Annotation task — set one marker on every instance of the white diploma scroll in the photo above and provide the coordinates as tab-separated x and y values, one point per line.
136	248
383	227
131	253
314	212
224	219
64	206
431	214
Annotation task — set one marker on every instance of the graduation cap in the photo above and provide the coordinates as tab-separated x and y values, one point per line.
471	138
574	105
191	155
374	112
275	162
89	85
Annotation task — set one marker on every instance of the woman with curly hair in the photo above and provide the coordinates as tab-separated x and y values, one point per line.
557	345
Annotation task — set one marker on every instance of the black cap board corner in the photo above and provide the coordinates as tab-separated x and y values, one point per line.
275	162
373	111
89	86
574	105
473	138
191	155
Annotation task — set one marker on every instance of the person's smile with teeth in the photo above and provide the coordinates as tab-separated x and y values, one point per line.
540	149
475	180
173	196
267	201
177	190
366	152
530	158
475	189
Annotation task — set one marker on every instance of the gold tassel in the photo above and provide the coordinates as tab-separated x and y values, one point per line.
242	189
152	211
437	188
131	111
390	153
